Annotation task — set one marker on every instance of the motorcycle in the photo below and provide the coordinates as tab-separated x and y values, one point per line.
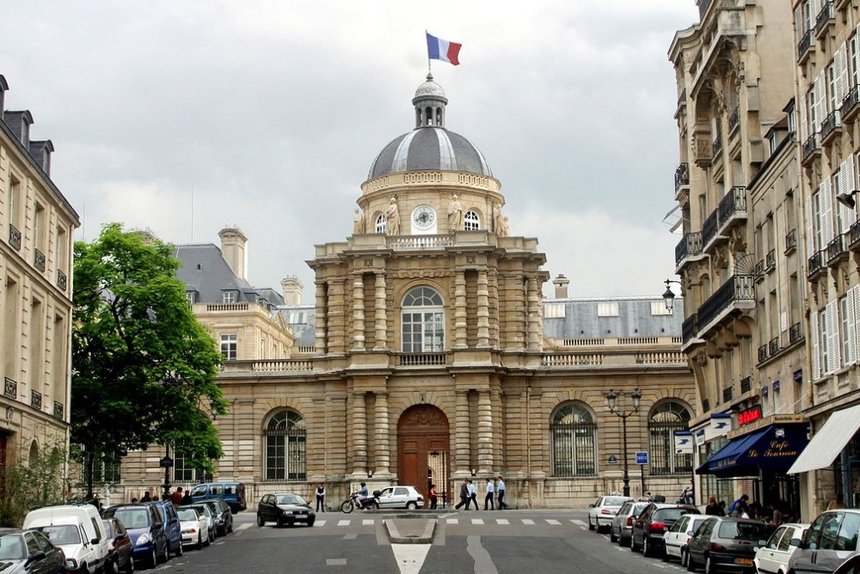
355	501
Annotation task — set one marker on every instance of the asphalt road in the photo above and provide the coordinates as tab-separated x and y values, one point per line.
508	542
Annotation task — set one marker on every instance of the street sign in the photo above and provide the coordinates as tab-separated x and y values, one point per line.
642	457
612	459
165	462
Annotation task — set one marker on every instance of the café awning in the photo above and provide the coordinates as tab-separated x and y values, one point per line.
773	448
829	441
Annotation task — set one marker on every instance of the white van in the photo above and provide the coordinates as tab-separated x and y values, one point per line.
78	530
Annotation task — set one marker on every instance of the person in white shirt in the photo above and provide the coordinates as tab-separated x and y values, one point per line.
501	488
473	495
488	497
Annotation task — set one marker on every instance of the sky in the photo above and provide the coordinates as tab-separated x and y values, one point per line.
188	116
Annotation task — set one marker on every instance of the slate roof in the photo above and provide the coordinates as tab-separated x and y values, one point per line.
634	319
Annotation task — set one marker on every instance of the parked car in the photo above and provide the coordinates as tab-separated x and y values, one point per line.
601	513
284	508
120	548
622	523
172	528
773	557
194	526
399	497
223	515
722	543
30	552
676	538
830	539
146	529
233	493
850	566
210	520
77	529
652	523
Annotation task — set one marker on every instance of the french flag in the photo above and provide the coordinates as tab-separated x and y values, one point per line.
439	49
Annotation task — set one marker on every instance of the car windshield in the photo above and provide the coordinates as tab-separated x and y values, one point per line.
290	499
637	510
614	501
743	530
670	513
133	517
187	514
108	526
62	534
11	547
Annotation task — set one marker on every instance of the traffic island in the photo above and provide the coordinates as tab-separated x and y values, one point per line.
410	530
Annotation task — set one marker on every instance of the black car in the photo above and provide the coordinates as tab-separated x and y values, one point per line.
726	544
29	551
284	508
652	522
120	556
222	513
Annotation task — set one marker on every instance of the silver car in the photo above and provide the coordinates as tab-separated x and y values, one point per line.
601	513
399	497
622	524
829	540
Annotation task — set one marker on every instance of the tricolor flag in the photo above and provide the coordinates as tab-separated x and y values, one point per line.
439	49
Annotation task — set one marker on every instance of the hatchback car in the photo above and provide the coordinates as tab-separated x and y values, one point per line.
622	524
172	528
194	526
120	548
210	520
399	497
284	508
830	539
726	544
652	523
223	515
676	538
144	526
602	511
773	557
28	552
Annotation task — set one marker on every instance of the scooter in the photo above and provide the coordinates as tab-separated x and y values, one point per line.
355	502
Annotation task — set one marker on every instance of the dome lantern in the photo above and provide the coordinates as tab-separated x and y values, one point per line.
429	102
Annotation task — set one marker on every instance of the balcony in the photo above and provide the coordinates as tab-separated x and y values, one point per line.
746	385
762	353
14	237
804	47
62	280
58	410
773	346
39	260
815	265
850	106
10	388
422	359
709	228
854	236
717	146
689	328
758	270
732	208
734	120
689	248
36	400
682	176
811	149
794	334
791	241
831	127
824	19
727	394
770	261
836	250
735	295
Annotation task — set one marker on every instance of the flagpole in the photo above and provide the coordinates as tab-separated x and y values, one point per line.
429	71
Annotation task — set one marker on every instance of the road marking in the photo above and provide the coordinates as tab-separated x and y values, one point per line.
319	523
352	536
483	561
578	522
453	521
477	521
553	522
502	521
528	521
343	522
335	561
367	522
410	557
243	526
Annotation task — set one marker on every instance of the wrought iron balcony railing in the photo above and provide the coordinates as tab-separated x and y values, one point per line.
690	244
682	176
36	400
815	264
773	346
746	384
732	204
717	146
825	17
770	260
690	327
794	334
758	270
62	280
836	249
830	125
58	410
762	353
850	103
738	288
39	260
811	147
10	388
806	42
709	228
854	235
14	237
790	241
734	119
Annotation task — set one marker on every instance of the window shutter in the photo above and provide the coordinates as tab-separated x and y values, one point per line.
820	106
834	360
816	351
826	224
850	311
841	64
847	215
810	230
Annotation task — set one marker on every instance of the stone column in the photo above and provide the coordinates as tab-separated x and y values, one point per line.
460	310
485	433
383	456
320	321
483	310
534	309
381	318
462	442
359	434
358	313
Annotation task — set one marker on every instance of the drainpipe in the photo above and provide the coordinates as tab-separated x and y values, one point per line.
528	439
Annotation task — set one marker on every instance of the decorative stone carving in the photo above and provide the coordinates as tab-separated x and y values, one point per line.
392	217
455	214
358	224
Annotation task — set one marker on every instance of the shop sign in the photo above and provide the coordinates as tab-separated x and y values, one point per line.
750	415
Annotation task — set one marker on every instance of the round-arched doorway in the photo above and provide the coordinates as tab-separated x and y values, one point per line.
423	451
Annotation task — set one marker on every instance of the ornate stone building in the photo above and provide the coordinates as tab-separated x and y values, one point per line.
429	354
35	293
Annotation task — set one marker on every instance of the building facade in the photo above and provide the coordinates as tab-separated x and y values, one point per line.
429	355
35	294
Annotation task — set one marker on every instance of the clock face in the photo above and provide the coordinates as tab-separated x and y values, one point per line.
423	217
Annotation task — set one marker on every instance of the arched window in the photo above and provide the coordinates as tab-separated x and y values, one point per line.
471	221
573	434
666	418
423	321
285	438
34	452
380	223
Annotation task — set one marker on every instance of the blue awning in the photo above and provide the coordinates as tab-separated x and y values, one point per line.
773	448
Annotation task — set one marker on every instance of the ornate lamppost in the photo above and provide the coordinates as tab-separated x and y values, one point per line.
624	411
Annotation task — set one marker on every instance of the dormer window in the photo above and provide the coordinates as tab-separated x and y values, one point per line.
228	297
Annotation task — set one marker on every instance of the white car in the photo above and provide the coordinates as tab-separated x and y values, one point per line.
772	558
675	539
194	526
78	530
601	513
399	497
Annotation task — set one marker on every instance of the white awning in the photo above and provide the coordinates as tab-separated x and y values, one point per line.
828	442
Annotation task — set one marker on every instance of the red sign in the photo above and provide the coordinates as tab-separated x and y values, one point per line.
750	415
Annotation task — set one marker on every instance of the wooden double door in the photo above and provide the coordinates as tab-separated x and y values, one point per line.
423	451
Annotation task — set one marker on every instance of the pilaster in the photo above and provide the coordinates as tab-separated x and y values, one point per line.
358	313
381	319
460	309
485	433
321	319
483	311
359	433
383	455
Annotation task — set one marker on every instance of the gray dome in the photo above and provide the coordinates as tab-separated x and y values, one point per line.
430	88
429	148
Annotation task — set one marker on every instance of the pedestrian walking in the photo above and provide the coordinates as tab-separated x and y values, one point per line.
473	495
464	495
501	488
488	495
320	497
146	497
176	496
434	496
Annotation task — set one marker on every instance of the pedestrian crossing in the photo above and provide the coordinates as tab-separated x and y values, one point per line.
352	522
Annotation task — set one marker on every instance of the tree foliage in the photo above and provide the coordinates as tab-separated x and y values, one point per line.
143	367
33	484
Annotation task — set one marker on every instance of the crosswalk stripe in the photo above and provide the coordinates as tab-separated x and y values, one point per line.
367	522
553	522
502	521
578	522
343	522
243	526
452	521
528	521
477	521
319	523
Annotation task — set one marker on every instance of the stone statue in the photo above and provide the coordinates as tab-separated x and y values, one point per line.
502	227
500	220
358	224
392	218
455	214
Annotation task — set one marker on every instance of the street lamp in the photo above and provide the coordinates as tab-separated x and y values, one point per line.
622	412
669	295
847	198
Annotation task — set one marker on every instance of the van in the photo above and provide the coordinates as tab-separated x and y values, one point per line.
233	493
78	530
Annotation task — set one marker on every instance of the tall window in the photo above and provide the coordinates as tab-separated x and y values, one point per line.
665	419
471	221
379	227
105	469
286	446
572	433
228	347
423	321
184	472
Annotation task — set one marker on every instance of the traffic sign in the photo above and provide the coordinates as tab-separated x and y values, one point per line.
165	462
642	457
612	459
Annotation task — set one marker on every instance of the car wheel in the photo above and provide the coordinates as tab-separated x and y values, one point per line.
230	528
129	565
646	550
691	565
179	551
153	558
612	537
411	505
684	558
260	521
623	541
709	566
165	556
311	521
590	525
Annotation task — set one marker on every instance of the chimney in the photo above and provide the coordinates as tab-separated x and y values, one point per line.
41	152
233	249
19	123
561	282
3	87
292	289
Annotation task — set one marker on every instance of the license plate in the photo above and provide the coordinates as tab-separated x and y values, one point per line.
744	561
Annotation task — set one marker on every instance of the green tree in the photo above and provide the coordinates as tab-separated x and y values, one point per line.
143	367
38	482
